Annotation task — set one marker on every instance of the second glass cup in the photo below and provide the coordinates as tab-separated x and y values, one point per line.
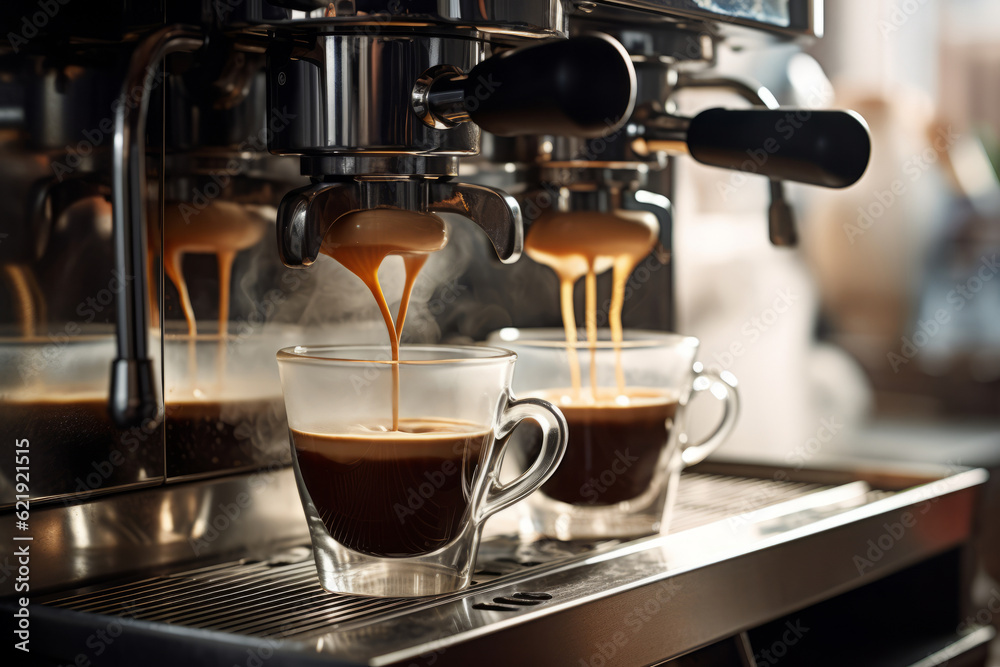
625	408
398	512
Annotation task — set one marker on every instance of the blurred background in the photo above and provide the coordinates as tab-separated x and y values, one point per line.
880	337
889	310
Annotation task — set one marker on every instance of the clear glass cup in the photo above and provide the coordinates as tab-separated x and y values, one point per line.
399	513
628	444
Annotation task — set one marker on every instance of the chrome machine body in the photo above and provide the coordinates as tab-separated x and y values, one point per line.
297	112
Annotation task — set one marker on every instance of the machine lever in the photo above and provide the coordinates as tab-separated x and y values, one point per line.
584	87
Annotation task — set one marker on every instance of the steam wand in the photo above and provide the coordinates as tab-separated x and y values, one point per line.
133	398
825	148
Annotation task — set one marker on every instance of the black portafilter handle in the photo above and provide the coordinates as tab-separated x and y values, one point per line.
582	86
826	148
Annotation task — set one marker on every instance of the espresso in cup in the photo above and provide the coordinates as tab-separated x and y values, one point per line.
627	438
398	512
395	493
615	442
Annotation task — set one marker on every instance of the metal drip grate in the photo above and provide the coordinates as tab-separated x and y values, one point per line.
281	597
703	499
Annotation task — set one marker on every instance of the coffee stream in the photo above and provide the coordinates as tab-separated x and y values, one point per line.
222	229
588	243
616	434
363	239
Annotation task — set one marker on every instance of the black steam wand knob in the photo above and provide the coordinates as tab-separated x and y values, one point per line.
826	148
583	86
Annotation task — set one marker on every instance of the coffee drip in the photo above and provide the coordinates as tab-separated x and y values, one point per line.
222	229
586	244
363	239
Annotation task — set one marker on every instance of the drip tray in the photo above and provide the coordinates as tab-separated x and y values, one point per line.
733	536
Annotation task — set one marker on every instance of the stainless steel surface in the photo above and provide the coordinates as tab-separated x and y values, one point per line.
977	639
782	16
498	19
442	107
351	94
730	534
214	597
138	530
501	19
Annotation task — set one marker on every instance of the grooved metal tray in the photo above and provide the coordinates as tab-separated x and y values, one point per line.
735	528
281	597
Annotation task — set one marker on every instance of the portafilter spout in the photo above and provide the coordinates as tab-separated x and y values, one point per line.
306	214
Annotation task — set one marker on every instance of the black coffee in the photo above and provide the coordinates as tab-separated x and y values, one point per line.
393	493
210	436
614	446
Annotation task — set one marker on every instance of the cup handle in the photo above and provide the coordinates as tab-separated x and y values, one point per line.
555	436
724	389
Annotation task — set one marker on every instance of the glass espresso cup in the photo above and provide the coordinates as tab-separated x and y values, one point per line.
399	512
627	440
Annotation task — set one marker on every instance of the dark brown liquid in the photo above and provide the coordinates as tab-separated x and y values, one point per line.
613	449
83	423
209	436
76	435
393	493
75	443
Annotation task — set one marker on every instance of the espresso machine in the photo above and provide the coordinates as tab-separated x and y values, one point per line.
188	157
